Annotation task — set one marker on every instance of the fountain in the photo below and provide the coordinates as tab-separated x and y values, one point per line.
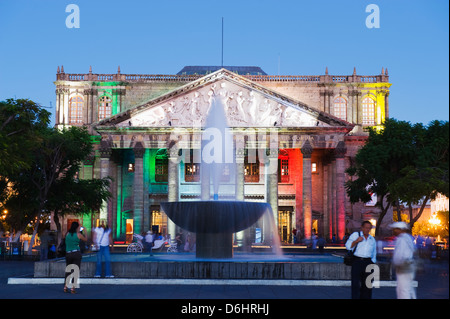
215	221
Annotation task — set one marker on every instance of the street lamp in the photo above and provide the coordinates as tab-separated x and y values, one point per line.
434	220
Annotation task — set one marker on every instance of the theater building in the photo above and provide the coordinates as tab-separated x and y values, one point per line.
293	138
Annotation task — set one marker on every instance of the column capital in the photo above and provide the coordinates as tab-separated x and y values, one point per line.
89	91
307	149
272	152
105	149
240	155
340	150
139	150
89	160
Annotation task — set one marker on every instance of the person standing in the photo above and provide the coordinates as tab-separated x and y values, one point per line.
149	242
103	237
73	253
365	253
403	261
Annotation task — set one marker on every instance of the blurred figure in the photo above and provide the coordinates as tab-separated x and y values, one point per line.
149	240
403	261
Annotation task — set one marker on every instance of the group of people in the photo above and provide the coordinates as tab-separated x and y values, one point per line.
147	240
102	241
364	249
362	244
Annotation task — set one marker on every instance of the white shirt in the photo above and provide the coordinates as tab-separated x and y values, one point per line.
105	239
365	249
404	249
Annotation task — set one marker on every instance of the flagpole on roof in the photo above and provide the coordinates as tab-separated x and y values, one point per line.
222	42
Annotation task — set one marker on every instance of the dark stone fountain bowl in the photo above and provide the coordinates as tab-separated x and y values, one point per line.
214	222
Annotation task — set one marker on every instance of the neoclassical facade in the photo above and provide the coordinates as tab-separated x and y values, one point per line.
293	138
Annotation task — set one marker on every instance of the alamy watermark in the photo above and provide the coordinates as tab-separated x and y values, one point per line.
218	147
373	279
73	279
73	19
373	19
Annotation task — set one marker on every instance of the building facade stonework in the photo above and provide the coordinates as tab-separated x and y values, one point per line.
293	138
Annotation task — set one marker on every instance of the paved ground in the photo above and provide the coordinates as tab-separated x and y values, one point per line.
433	283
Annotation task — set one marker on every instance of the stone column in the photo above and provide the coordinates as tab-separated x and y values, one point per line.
339	154
173	185
86	103
358	95
58	106
138	188
330	199
354	106
326	220
330	101
205	178
272	181
307	189
240	157
386	104
94	106
333	198
105	157
327	101
66	111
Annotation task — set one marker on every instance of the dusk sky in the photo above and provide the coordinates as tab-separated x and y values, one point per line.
282	37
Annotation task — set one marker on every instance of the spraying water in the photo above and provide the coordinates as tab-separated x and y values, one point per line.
215	221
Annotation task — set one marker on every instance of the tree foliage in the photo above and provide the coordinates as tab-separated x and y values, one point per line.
45	178
401	163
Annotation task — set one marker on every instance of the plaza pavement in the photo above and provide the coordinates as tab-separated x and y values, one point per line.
433	283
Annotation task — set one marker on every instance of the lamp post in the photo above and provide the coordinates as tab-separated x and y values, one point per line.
434	221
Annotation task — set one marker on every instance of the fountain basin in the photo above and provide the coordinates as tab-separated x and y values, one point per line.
215	216
186	266
214	222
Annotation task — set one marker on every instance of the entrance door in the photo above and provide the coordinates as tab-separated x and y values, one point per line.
285	223
159	220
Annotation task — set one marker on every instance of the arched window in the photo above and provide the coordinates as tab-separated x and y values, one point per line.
191	169
340	108
104	107
283	167
251	167
161	165
368	111
76	104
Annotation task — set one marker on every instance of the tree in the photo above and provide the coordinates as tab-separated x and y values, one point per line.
378	163
70	195
48	169
428	175
21	121
401	163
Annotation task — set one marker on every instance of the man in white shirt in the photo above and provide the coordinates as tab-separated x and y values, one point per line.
365	254
403	261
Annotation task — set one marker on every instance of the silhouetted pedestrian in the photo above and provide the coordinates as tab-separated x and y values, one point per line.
365	254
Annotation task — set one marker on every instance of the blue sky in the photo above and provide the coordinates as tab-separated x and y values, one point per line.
280	36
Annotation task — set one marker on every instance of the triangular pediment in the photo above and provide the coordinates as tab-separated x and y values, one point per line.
246	104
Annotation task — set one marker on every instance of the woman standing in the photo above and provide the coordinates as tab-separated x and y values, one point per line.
103	237
73	253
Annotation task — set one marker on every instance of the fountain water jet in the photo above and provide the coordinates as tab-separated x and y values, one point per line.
215	221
